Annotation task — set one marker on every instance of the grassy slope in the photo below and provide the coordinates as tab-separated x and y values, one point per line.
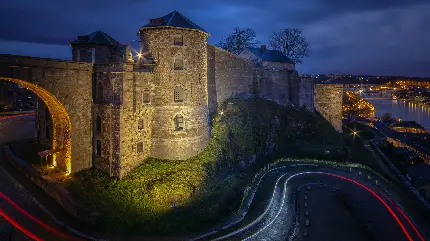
209	186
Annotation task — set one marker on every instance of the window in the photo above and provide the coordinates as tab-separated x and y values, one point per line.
140	147
99	93
98	124
99	148
179	123
140	124
178	94
178	40
146	97
179	63
78	55
47	133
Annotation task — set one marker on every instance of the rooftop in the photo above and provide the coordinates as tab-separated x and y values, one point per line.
98	37
408	124
270	55
173	19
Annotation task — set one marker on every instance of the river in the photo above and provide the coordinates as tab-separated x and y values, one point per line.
401	109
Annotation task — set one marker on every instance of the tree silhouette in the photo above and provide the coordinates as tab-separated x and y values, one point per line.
291	43
238	40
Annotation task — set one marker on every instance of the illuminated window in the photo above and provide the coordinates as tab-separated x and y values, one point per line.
99	93
98	124
140	147
140	124
179	63
178	94
99	148
178	40
146	97
179	123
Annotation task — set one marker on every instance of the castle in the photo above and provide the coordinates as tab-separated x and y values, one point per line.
157	101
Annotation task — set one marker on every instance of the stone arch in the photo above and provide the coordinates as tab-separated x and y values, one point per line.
62	128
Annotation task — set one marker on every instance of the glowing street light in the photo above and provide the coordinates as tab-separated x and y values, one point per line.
139	55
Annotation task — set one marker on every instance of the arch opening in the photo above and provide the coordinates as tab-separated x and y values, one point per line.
61	136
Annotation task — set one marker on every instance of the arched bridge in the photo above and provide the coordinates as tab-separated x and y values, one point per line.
65	87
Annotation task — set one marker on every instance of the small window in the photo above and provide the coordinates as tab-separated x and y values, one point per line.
178	40
178	94
140	124
47	134
98	124
179	123
78	55
140	147
99	148
146	97
179	63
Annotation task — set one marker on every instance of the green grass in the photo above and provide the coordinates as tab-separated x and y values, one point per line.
209	186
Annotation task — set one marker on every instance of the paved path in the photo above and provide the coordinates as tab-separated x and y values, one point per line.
372	211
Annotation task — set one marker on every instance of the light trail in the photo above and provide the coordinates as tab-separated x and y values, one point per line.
40	223
408	236
19	227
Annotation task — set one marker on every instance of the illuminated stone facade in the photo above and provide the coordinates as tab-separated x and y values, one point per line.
157	103
63	87
328	102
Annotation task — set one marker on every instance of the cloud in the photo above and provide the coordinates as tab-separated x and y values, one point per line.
390	41
366	36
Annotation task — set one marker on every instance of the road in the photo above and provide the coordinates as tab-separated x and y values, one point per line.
16	205
306	202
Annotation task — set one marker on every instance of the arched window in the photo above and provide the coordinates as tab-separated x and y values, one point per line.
178	40
98	124
47	134
179	63
178	94
179	122
99	93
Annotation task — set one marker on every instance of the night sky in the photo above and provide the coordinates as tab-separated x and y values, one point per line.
376	37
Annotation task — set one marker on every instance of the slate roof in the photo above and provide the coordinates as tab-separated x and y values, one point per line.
420	174
175	19
270	55
98	37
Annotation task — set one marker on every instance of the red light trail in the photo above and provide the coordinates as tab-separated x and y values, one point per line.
27	232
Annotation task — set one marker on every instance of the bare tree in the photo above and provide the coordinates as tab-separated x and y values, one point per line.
238	40
291	43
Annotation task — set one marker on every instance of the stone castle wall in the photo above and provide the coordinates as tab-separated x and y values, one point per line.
228	76
70	83
328	102
166	142
306	93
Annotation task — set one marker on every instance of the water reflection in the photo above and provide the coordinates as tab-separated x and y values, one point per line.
401	109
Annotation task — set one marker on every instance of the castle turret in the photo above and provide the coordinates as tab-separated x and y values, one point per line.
98	47
177	48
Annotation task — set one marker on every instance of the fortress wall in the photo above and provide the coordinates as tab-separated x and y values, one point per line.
328	102
228	75
306	93
275	86
70	82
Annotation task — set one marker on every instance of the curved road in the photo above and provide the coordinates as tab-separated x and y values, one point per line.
319	202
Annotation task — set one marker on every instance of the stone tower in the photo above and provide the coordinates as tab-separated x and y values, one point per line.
175	49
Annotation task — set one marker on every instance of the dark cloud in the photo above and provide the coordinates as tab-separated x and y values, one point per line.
366	36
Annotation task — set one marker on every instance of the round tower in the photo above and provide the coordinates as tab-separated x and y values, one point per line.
176	48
